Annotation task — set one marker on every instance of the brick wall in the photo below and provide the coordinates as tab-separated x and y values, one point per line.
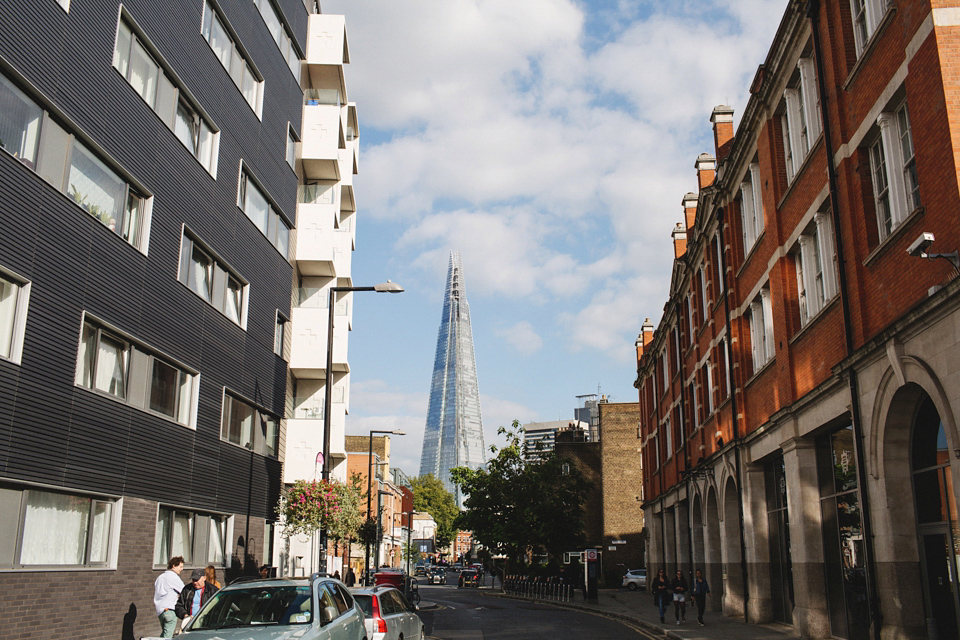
622	483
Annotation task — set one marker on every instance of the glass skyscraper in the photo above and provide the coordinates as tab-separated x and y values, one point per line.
454	432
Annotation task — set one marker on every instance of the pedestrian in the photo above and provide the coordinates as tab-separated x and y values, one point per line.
166	591
679	587
351	577
661	591
211	574
193	595
700	591
336	574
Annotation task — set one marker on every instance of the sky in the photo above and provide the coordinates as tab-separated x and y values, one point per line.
550	142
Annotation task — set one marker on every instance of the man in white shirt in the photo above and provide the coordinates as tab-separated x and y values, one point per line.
166	591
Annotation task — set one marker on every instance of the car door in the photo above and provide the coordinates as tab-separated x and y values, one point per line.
347	625
411	621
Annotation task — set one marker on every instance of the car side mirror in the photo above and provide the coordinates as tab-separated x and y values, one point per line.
329	613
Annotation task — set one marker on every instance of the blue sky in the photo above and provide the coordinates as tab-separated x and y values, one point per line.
551	143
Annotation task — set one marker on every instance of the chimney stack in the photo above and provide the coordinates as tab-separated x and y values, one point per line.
679	240
645	338
722	119
706	166
690	208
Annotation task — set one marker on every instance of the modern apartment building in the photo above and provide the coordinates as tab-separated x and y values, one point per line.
147	202
454	432
799	398
323	150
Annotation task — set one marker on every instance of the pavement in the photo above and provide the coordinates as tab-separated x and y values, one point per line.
637	607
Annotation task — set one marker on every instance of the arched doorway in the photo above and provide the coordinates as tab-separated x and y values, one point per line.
938	535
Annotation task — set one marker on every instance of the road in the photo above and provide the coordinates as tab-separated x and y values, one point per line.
466	614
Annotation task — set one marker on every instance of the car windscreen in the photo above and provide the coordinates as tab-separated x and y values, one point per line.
256	606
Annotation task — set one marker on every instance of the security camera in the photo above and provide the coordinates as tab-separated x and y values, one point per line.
920	245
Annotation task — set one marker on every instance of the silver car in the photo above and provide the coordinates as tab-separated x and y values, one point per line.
389	614
635	579
316	608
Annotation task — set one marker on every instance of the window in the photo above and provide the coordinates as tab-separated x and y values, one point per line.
103	194
689	302
139	64
292	141
206	275
234	61
694	390
20	122
135	63
249	427
199	537
280	35
708	386
718	284
665	368
702	278
279	334
866	15
263	214
14	298
893	168
668	430
751	208
53	529
761	329
815	260
801	117
113	364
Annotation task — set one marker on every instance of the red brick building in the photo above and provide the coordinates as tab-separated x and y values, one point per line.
799	398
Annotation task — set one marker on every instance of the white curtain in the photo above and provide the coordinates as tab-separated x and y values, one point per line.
111	367
8	313
54	529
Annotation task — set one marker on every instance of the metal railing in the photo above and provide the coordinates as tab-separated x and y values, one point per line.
555	589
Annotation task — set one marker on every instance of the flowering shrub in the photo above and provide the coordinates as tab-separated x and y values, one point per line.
313	505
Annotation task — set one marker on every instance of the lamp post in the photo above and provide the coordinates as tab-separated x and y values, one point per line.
410	515
380	522
385	287
366	557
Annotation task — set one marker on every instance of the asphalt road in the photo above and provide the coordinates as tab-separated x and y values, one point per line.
466	614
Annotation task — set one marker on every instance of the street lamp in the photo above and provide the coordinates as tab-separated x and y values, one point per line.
410	515
386	287
396	432
380	522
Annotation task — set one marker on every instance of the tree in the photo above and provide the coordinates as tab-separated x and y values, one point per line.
430	496
520	504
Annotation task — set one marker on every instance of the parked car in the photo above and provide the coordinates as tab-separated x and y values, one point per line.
635	579
388	614
437	575
312	608
468	578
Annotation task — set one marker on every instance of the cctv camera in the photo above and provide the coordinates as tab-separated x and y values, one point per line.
920	245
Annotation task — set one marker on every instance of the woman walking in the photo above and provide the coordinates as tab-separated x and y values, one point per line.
661	591
700	591
679	586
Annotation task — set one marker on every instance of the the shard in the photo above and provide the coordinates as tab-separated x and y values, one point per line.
454	432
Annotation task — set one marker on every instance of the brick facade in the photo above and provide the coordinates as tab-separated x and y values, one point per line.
800	341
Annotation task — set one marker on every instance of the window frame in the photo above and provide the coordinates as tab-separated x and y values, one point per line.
279	334
762	343
226	532
222	275
236	62
110	536
865	18
276	225
258	442
893	177
17	307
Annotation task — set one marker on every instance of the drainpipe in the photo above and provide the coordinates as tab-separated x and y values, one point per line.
813	12
721	213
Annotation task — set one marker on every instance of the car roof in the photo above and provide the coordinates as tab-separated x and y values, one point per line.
374	590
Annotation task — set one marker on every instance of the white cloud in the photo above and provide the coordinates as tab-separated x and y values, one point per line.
522	337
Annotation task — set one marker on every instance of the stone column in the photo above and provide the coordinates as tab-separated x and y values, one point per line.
810	615
756	534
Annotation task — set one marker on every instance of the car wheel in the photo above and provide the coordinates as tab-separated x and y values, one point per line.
423	633
632	586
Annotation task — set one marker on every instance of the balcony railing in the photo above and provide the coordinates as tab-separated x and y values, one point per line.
308	408
317	194
313	97
312	297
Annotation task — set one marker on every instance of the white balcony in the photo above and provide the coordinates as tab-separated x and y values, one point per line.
321	139
327	40
308	333
305	440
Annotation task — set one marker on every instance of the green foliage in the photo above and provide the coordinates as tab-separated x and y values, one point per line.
369	532
430	496
519	505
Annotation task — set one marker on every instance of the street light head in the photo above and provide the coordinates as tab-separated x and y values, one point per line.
398	432
388	287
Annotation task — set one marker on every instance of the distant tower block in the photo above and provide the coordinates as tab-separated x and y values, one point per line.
454	432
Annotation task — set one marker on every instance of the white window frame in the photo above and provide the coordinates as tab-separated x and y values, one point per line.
866	16
223	280
761	329
101	540
259	440
14	302
665	367
277	230
237	63
708	381
281	35
703	294
751	208
816	267
668	429
692	329
138	373
191	559
801	119
893	173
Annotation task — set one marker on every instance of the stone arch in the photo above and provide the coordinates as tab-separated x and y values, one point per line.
733	577
713	559
699	560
